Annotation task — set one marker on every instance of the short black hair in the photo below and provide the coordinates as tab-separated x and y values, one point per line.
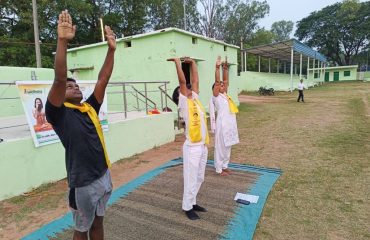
176	95
71	80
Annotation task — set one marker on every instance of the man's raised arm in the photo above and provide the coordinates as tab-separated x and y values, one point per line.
194	75
216	87
66	32
107	68
225	74
180	75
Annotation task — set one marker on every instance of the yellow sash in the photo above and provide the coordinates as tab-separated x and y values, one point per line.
85	107
195	132
232	105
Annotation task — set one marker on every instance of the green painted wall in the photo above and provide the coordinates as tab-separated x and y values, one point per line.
145	60
367	76
341	70
252	81
11	74
20	171
13	107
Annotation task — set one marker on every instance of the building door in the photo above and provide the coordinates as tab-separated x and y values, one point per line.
326	76
336	76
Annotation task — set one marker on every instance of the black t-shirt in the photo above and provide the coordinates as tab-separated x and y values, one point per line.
85	159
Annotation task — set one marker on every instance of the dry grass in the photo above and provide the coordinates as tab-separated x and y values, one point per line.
323	148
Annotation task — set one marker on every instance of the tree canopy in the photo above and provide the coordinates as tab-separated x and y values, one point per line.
282	30
339	31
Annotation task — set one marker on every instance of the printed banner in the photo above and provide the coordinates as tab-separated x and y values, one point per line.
34	94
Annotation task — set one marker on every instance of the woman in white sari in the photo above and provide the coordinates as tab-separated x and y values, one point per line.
224	126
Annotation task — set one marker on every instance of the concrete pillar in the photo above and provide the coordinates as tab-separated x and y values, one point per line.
259	63
300	67
291	69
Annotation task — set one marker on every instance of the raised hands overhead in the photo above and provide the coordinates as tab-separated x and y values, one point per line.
107	68
66	30
225	64
225	74
188	60
216	86
218	62
111	37
180	75
174	60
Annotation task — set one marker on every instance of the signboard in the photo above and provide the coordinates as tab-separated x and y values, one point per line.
34	94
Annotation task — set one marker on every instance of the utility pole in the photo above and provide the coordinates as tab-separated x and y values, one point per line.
367	59
36	33
184	15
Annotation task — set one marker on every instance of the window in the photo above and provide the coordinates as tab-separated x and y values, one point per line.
316	75
347	73
194	40
225	48
127	44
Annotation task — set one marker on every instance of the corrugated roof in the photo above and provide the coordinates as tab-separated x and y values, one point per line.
154	33
282	51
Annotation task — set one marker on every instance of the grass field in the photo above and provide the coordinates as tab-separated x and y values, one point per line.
323	148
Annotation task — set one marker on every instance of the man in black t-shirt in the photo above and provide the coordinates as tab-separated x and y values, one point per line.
78	127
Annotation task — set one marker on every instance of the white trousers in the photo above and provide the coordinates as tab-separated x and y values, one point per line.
222	154
195	160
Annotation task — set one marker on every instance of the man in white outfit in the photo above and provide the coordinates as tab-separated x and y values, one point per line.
300	90
224	126
195	151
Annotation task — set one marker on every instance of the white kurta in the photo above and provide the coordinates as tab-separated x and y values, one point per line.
194	157
226	132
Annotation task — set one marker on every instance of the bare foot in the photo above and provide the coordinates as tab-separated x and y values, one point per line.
226	170
223	173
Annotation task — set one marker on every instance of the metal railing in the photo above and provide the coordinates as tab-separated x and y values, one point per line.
141	96
146	96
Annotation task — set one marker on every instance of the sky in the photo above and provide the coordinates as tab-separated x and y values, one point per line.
293	10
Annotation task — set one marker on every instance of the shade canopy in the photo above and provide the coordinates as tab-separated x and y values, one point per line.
282	51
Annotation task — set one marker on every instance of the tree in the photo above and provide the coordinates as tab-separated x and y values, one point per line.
233	20
126	17
282	30
213	16
170	13
339	31
260	37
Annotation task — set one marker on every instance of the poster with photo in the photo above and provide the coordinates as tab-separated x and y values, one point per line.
33	95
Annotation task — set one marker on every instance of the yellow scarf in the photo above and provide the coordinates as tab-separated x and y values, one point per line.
85	107
232	106
195	133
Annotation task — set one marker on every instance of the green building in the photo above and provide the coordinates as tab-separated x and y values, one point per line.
142	58
333	74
